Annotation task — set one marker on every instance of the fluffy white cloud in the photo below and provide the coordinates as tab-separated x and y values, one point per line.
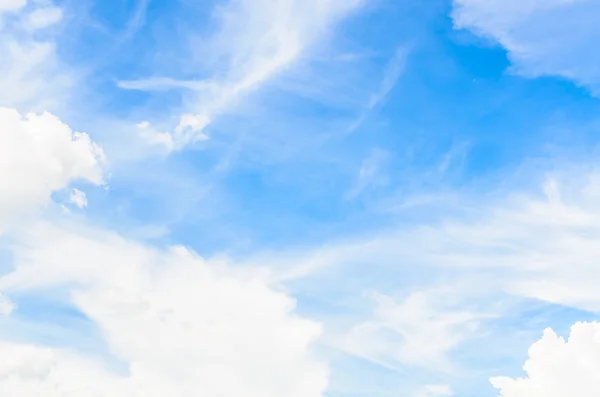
39	155
558	368
181	324
543	37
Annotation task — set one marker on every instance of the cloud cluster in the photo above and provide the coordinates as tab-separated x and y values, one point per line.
39	155
180	324
558	368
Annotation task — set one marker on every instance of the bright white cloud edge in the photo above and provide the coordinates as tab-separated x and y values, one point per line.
557	367
39	155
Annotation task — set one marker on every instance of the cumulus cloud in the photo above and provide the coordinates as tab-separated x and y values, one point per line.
181	324
256	40
558	367
39	155
543	37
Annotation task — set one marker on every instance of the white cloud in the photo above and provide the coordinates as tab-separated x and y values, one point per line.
543	37
421	330
435	391
180	323
257	40
558	368
541	246
153	137
43	17
30	370
78	198
12	5
6	306
39	155
31	75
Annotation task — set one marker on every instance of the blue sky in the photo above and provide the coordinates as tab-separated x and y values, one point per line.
316	198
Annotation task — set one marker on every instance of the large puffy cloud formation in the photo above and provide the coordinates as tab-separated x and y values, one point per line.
543	37
559	368
182	326
39	155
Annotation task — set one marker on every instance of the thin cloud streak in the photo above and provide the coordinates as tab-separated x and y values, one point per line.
256	41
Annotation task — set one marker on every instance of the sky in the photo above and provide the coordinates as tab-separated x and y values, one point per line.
300	198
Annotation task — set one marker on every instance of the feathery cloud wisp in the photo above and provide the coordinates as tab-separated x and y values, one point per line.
256	41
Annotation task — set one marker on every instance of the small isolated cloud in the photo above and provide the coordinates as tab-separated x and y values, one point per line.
39	155
543	37
78	198
558	367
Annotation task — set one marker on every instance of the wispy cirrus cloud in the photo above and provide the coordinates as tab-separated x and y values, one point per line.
255	41
539	245
391	74
31	72
418	331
